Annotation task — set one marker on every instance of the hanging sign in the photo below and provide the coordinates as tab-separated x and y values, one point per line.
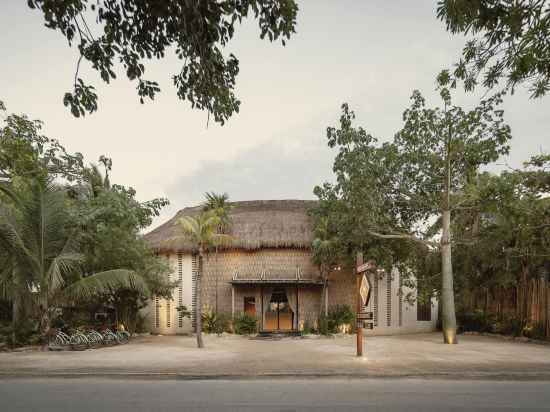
365	316
364	290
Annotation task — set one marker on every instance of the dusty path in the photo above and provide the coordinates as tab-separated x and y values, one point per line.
407	355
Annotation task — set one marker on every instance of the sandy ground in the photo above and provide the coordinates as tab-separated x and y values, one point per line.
405	355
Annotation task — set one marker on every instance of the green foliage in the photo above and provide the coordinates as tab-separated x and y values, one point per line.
219	205
386	196
477	321
26	333
338	316
132	32
505	220
323	325
245	324
512	43
534	331
215	322
26	153
66	234
511	326
184	311
308	328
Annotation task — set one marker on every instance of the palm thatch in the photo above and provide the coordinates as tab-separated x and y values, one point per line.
254	224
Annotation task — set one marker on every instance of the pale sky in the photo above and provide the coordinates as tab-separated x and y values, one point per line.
371	54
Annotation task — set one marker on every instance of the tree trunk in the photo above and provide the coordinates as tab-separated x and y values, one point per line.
447	291
14	319
198	305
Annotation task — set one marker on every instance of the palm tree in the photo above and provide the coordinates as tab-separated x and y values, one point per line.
44	263
202	232
219	204
324	247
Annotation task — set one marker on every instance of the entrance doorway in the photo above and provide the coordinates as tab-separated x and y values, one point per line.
279	316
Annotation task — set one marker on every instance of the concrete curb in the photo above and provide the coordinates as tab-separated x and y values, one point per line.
487	376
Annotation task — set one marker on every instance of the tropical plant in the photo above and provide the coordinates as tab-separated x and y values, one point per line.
130	32
26	153
512	42
44	262
392	192
202	232
108	220
339	316
245	324
215	322
220	206
325	248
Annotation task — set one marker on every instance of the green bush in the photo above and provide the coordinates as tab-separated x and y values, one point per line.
323	325
534	331
215	322
26	334
244	324
307	328
337	316
477	321
510	326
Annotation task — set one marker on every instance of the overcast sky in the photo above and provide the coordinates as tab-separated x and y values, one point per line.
371	54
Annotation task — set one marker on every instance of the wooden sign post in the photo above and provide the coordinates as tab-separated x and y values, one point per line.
363	297
359	323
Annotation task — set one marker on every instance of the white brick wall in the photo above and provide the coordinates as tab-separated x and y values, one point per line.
167	309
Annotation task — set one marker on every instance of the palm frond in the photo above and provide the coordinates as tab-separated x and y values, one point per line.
103	283
60	266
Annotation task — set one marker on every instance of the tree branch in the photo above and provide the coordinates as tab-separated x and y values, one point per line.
403	236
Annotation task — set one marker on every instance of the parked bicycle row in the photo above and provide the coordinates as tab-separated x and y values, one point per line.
89	339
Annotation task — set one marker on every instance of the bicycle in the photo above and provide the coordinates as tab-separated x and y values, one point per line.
123	337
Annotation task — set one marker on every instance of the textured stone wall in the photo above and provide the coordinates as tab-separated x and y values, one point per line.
220	268
341	289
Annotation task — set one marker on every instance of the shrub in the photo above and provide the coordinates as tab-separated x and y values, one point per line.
339	315
323	325
27	333
477	321
307	328
244	324
215	322
142	325
534	331
510	326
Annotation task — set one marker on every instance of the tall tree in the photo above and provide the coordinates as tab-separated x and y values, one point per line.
394	191
109	220
507	221
25	152
512	42
45	261
133	31
325	248
202	232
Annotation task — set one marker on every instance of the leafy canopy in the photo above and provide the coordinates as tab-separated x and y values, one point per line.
507	220
511	43
130	32
387	196
27	153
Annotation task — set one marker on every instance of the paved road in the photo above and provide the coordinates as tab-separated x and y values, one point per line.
95	395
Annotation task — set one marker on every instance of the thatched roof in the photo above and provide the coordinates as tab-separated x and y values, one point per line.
255	224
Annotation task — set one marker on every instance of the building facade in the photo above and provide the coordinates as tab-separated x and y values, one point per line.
268	272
